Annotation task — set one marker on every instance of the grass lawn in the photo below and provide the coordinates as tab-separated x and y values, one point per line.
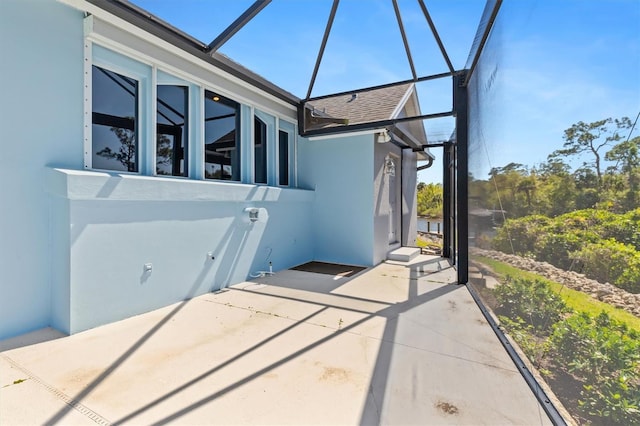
576	300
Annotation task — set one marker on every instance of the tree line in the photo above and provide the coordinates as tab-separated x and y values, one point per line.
607	179
586	219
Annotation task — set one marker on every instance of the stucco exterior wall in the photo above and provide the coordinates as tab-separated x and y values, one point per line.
405	178
340	171
76	243
195	236
41	122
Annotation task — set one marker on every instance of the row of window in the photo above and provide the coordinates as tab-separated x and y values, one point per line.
116	134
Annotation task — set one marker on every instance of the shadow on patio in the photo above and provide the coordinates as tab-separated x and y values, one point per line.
395	344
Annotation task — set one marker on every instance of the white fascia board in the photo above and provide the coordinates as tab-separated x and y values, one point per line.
410	99
412	139
425	155
403	101
346	134
140	33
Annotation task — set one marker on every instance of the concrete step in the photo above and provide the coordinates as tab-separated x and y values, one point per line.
404	254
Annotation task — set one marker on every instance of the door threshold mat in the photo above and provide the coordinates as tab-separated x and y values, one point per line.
329	268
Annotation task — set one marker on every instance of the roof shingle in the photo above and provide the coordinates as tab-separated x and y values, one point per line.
363	107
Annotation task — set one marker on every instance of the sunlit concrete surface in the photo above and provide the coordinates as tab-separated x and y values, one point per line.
395	344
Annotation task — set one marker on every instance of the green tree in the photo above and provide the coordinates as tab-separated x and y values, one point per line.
430	198
591	138
626	156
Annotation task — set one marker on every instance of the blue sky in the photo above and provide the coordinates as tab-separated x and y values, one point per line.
555	62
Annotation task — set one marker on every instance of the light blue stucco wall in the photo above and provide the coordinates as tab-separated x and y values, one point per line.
75	242
41	122
340	170
119	223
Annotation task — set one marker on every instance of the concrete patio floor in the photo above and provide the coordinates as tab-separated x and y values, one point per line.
396	344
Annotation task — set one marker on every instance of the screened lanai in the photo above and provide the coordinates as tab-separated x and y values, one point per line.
269	137
419	52
415	42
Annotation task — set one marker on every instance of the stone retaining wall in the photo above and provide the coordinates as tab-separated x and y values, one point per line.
604	292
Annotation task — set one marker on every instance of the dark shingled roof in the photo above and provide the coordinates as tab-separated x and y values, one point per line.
363	107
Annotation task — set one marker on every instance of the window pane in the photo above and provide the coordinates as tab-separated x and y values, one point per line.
221	138
283	153
114	121
260	150
172	138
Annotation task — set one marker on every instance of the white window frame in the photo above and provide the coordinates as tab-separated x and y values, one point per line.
290	129
270	148
164	78
142	118
147	115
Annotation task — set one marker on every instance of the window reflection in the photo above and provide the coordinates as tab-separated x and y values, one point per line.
283	154
221	135
114	121
172	134
260	151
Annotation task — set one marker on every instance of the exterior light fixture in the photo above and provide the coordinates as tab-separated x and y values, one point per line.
255	214
383	137
216	98
389	166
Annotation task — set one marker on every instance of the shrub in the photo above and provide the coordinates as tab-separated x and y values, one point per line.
521	233
605	245
624	228
524	334
611	261
605	355
554	246
533	301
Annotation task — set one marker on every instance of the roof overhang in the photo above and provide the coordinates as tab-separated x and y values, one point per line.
144	20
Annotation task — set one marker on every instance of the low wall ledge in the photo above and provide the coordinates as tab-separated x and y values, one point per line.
100	185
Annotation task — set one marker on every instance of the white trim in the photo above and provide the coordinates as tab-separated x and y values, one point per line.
410	136
290	129
267	120
140	33
295	154
169	69
90	184
97	29
251	145
345	135
153	139
177	82
88	106
403	101
197	138
277	159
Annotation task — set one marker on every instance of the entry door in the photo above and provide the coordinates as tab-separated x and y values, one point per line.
394	199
